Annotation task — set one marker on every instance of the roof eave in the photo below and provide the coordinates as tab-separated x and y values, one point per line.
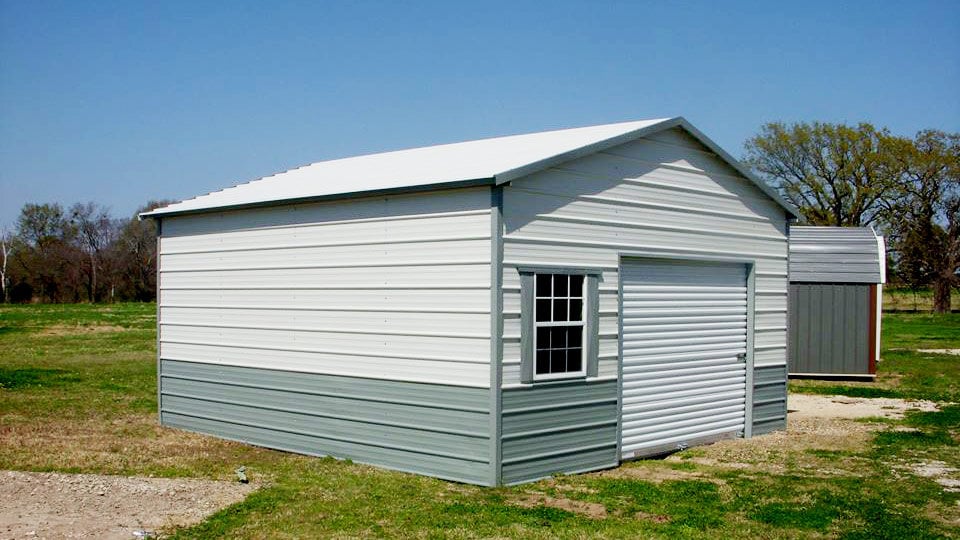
159	213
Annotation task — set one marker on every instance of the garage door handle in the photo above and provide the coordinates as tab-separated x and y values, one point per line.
742	357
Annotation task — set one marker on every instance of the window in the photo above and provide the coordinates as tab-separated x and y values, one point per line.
559	314
559	325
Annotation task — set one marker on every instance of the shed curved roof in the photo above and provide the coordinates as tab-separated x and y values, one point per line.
836	255
486	161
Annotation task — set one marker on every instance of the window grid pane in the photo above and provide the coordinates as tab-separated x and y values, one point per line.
559	347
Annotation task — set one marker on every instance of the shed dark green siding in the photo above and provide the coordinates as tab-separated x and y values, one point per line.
830	329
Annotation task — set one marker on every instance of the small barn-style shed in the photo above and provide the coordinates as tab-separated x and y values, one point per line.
836	294
490	312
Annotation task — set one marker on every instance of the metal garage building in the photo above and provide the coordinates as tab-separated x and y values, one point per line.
836	292
491	312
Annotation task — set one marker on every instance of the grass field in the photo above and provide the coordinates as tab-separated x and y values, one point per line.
78	394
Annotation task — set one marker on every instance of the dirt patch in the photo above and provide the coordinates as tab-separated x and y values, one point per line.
588	509
813	406
656	518
940	351
54	505
68	330
652	471
119	445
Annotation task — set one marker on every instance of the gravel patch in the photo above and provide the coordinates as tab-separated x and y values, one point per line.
813	406
940	351
946	476
55	505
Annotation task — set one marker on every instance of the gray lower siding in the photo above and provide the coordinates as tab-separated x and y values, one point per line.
769	399
430	429
558	428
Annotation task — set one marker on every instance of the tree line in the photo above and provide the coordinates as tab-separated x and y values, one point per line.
857	176
78	254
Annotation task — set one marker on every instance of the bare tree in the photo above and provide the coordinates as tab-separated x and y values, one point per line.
6	251
138	253
96	232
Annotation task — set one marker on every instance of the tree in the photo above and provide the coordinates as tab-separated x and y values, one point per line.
137	245
49	257
923	213
6	251
834	174
96	232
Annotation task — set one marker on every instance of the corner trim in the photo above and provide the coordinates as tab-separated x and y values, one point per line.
751	327
159	222
496	334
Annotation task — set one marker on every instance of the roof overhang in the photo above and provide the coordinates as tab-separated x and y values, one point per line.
512	174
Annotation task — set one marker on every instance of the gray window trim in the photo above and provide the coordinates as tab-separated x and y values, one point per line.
591	322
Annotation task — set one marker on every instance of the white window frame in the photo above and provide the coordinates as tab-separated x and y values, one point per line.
582	323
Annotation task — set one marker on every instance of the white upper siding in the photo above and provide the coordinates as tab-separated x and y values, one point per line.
389	287
666	193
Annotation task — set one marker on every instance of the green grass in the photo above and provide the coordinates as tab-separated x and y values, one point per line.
78	394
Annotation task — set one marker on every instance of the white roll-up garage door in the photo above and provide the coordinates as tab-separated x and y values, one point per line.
684	344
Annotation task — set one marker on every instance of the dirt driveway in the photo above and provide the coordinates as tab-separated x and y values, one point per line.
53	505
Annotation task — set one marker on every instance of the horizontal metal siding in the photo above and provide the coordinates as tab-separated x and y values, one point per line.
388	287
835	255
830	329
558	428
769	399
429	429
653	195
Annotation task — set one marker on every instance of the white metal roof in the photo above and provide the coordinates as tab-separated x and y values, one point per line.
485	161
836	255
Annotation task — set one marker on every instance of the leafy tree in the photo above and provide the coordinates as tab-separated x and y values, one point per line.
49	258
923	212
835	174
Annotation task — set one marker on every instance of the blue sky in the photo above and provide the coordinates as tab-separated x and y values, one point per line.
122	102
